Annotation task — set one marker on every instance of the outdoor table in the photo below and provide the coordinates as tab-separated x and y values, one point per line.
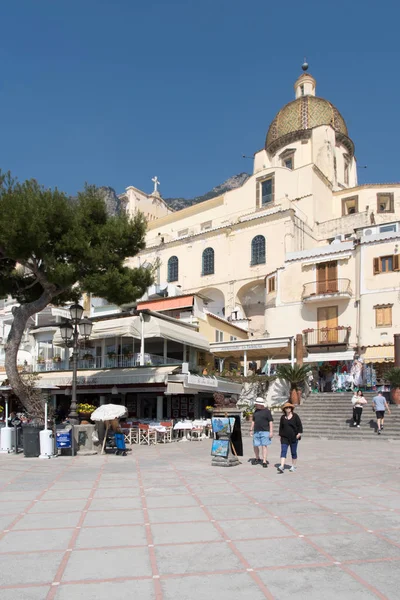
184	426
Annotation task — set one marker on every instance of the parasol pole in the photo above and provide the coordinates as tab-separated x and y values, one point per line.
105	437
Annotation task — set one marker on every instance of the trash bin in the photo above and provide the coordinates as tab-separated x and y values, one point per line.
31	440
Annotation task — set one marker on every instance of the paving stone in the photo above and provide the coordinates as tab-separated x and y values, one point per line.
107	564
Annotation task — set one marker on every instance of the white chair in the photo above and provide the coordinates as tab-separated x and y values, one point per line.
167	435
147	436
197	433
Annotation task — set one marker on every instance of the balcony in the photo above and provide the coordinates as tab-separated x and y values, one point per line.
120	361
327	336
331	288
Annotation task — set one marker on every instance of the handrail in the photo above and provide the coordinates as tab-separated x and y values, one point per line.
327	287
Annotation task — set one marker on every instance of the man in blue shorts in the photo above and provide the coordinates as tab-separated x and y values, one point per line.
380	405
262	430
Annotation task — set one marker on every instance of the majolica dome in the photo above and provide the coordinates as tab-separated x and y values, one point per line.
296	120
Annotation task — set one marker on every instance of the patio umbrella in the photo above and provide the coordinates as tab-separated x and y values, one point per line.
107	413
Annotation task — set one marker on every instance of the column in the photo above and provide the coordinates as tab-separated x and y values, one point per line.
102	400
160	403
299	349
397	349
245	363
292	351
165	351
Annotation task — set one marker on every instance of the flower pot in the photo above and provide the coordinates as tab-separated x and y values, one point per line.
85	418
295	396
395	395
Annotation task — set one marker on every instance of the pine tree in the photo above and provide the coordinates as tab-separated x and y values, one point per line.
54	248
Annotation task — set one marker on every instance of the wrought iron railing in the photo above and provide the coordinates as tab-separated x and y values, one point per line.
117	361
327	287
327	336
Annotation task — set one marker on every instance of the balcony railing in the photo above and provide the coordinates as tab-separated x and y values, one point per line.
327	336
119	361
330	287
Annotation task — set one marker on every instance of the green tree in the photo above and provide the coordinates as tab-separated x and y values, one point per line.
54	248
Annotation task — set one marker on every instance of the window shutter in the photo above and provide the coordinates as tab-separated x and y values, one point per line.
273	188
391	202
387	320
258	186
376	266
379	317
396	262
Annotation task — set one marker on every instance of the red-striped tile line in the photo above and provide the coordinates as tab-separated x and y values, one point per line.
200	573
310	542
256	578
64	561
37	497
367	585
149	537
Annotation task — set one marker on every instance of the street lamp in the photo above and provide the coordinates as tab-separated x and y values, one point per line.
70	332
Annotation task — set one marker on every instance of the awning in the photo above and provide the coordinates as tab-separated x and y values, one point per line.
378	354
328	356
153	328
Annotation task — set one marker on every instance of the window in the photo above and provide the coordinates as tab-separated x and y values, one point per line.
385	203
208	261
205	226
386	228
302	89
383	315
233	338
288	162
386	264
258	250
350	206
271	285
173	268
183	232
219	336
265	191
346	172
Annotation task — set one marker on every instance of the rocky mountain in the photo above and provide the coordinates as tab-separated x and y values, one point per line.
113	203
230	184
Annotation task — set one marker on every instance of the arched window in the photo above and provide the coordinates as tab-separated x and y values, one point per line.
173	268
208	261
258	250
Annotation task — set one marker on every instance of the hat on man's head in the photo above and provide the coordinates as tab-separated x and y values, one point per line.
261	402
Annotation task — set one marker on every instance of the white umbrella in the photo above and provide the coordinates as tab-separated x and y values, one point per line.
107	413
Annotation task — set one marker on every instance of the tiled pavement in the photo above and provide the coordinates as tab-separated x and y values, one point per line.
162	523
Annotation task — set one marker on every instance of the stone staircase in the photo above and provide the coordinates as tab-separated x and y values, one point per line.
330	415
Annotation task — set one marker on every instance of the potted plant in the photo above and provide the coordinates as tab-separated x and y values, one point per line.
209	409
87	356
57	358
393	377
84	410
295	376
40	359
248	413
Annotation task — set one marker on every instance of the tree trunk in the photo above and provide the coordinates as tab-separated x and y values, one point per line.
21	315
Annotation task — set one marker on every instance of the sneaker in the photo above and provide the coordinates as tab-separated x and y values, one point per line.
265	465
354	424
292	469
358	426
256	461
379	432
281	469
381	427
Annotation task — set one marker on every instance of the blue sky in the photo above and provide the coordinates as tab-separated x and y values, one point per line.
114	92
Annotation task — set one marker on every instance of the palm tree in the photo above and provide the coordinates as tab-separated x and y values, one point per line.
295	376
393	377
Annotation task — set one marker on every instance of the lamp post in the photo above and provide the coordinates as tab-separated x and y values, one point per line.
70	332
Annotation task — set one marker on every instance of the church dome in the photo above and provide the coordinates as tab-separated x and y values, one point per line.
296	120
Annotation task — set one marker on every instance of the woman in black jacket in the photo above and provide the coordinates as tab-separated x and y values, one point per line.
290	430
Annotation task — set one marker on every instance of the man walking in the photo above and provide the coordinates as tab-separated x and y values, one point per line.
262	430
380	405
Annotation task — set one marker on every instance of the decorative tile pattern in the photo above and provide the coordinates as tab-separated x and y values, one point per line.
302	114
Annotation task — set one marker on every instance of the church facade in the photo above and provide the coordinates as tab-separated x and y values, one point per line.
300	248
